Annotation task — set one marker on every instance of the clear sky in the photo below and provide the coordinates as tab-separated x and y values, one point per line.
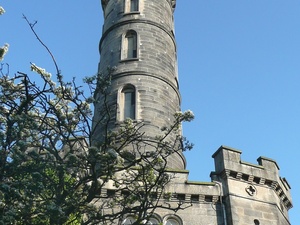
239	70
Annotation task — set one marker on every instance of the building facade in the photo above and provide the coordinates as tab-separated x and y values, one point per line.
138	41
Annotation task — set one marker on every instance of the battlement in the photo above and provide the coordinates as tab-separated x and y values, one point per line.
227	158
239	193
228	165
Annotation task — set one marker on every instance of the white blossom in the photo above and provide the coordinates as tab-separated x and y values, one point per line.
184	116
40	70
2	11
189	115
3	51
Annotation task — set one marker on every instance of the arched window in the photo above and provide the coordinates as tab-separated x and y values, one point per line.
129	48
128	102
131	6
172	222
128	221
153	221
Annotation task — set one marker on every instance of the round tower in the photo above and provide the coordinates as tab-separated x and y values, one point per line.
138	41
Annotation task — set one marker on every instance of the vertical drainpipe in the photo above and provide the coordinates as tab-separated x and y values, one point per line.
221	201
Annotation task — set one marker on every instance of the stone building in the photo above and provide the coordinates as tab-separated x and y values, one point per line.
138	40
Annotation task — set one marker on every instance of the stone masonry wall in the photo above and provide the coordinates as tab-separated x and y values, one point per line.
153	72
252	192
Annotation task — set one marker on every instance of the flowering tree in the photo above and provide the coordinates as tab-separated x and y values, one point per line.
2	11
3	49
50	171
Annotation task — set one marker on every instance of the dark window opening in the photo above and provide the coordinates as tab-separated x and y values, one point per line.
256	180
233	174
134	5
129	103
181	197
195	198
111	193
208	198
245	177
131	44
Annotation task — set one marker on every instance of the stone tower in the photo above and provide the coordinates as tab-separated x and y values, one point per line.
138	41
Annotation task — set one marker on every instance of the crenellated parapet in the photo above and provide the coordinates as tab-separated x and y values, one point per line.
257	185
240	193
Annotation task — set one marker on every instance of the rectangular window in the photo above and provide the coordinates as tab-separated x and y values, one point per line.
195	198
208	198
181	197
111	193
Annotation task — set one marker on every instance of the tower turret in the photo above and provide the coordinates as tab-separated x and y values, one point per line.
138	41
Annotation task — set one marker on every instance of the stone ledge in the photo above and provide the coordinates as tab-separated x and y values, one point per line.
200	183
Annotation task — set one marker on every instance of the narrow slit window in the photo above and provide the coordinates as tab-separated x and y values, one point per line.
129	103
130	45
131	6
134	5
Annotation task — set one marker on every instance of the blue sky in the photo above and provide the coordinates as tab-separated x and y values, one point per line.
239	70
